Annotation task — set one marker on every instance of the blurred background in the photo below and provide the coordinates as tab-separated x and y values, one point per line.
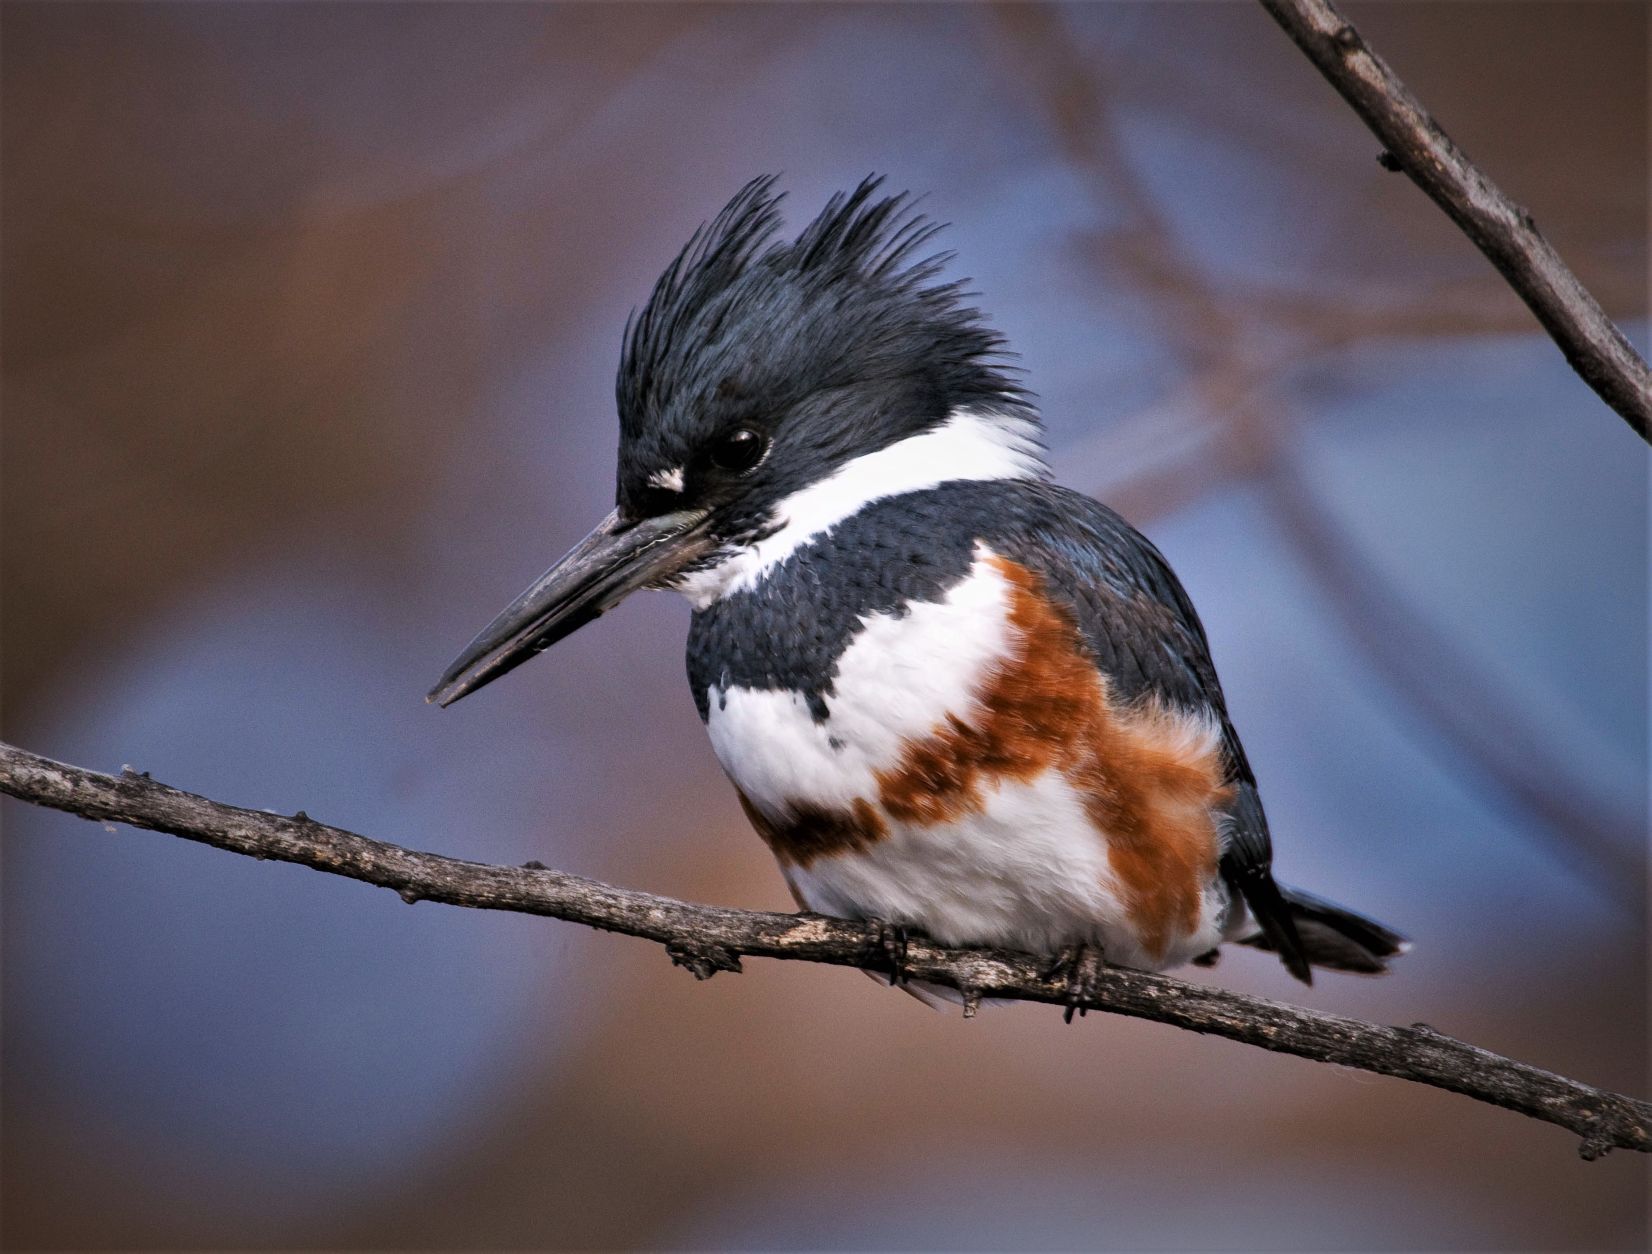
310	320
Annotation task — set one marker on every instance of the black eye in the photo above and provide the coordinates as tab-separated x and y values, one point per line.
738	451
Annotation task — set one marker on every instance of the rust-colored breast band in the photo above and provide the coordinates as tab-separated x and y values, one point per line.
1150	783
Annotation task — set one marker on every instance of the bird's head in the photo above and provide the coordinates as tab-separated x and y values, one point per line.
757	372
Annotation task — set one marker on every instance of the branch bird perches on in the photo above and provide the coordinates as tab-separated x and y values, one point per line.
708	939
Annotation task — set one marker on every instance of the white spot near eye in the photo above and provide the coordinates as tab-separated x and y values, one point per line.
667	480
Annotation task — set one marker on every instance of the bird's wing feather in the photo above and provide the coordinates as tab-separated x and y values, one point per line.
1128	605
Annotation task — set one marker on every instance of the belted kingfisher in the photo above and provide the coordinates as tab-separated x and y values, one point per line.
953	696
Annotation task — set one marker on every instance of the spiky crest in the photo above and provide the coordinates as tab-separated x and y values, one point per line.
850	272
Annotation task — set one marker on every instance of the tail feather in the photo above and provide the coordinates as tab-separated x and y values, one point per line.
1335	938
1277	925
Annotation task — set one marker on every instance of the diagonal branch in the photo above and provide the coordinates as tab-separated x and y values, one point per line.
1501	229
708	939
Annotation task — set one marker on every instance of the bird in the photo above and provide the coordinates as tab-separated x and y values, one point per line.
955	699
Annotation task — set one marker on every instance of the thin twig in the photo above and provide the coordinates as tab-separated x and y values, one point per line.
708	939
1502	230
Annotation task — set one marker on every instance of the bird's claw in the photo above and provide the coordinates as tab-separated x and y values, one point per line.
889	941
1080	967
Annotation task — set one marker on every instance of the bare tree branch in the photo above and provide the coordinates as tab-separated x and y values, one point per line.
1501	229
708	939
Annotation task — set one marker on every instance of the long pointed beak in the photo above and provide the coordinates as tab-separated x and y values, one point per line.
599	572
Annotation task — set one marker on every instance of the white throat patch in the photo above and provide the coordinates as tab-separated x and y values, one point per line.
969	445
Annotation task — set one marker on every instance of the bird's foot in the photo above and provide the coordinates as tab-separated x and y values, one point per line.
1080	966
1207	959
888	941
